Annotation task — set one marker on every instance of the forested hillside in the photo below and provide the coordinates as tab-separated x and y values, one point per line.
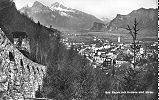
70	76
65	68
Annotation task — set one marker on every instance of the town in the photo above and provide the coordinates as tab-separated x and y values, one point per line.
51	50
105	55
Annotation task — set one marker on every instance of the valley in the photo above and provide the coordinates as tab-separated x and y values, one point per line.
88	37
54	52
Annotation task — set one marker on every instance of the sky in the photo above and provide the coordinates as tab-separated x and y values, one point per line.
98	8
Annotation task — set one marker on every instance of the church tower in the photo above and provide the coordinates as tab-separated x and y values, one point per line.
119	39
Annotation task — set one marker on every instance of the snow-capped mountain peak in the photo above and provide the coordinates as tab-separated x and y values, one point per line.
59	16
55	5
59	7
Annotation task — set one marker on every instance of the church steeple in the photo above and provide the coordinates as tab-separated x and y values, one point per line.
119	39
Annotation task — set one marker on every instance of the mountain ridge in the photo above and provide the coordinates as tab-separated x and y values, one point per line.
139	14
60	17
147	19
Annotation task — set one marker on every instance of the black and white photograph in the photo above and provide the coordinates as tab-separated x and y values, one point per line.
78	50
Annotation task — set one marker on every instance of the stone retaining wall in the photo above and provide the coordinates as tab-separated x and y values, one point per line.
19	77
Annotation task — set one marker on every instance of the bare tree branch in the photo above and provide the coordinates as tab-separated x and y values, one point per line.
130	31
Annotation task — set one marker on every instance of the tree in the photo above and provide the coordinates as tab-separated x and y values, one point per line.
134	31
133	79
39	23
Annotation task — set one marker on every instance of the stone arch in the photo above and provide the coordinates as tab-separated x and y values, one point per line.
28	68
42	71
38	70
21	62
33	70
11	56
20	36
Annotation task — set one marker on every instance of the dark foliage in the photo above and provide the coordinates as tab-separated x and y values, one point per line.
70	75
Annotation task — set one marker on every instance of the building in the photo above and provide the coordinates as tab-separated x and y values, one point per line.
107	63
21	41
119	39
119	63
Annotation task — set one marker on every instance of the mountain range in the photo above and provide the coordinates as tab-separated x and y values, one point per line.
63	18
59	16
147	19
